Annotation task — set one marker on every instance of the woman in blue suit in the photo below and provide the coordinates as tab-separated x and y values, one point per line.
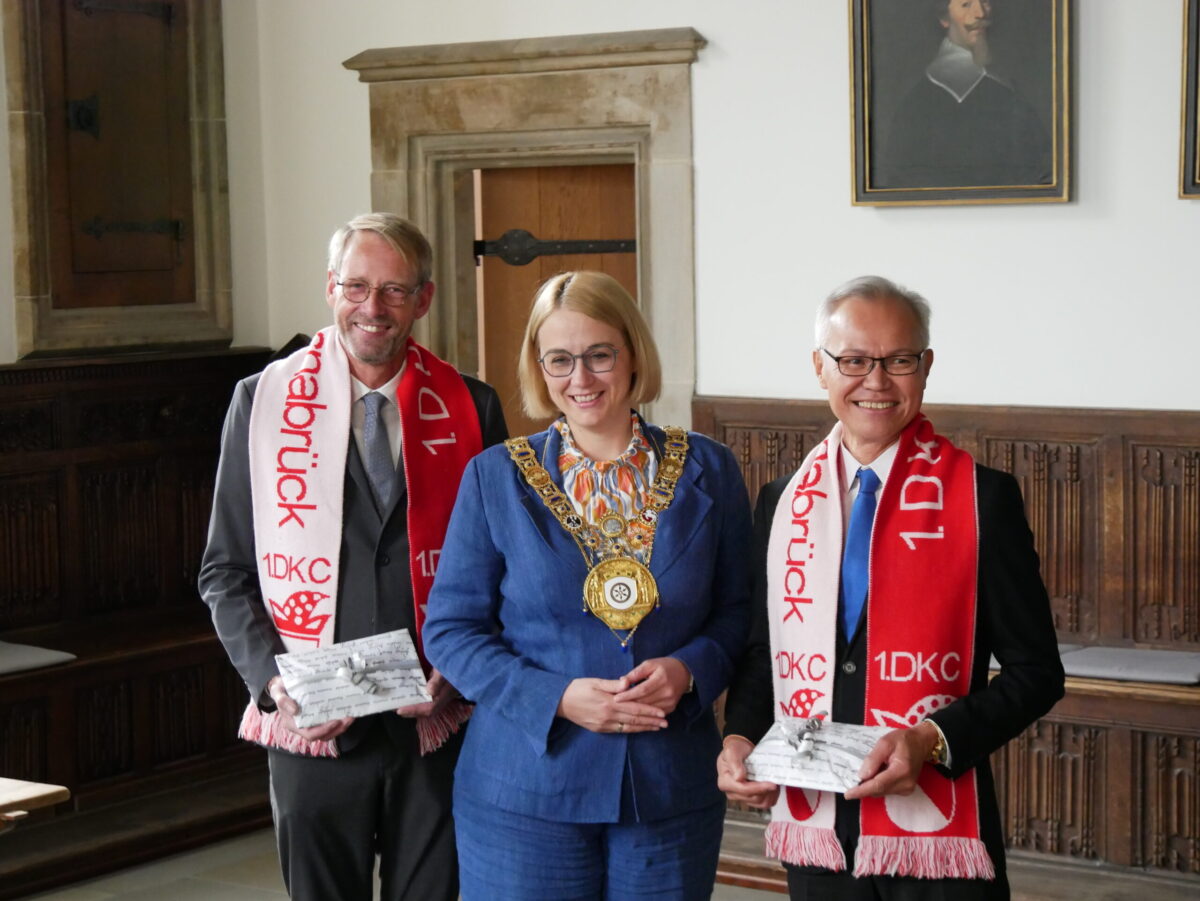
592	598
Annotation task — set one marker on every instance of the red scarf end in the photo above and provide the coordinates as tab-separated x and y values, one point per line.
805	846
434	730
927	857
264	729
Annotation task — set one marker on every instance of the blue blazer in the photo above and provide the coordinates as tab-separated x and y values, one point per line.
506	626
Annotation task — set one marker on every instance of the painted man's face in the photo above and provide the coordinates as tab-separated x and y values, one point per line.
966	22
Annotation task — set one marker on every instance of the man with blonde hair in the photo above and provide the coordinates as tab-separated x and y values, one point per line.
339	467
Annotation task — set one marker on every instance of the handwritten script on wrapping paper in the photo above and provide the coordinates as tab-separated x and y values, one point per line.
354	678
825	757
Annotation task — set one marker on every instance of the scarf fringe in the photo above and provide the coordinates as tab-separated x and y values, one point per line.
804	846
926	857
434	730
264	729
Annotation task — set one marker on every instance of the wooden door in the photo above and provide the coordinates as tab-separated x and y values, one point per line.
553	203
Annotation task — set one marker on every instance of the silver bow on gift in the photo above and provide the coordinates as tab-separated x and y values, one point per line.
803	737
355	670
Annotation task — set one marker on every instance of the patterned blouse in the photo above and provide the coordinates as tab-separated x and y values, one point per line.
596	487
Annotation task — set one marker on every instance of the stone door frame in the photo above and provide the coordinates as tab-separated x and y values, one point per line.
440	112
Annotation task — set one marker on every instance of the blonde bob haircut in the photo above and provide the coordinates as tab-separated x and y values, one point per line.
600	297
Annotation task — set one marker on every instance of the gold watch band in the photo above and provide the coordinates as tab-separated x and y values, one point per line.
938	753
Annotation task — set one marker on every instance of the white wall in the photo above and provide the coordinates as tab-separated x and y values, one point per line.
1083	304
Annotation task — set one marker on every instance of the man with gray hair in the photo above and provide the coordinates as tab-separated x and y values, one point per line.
339	467
890	568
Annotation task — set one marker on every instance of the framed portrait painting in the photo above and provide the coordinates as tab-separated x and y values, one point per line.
961	101
1189	145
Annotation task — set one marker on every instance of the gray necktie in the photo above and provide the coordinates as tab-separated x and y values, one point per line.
381	468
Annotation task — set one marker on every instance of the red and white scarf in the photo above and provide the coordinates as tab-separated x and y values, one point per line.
920	631
299	439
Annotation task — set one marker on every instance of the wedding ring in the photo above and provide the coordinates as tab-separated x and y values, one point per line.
620	727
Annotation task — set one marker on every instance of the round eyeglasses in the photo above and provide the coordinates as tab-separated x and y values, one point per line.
857	366
597	358
392	295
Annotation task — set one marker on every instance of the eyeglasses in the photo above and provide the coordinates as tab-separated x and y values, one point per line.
597	358
357	291
896	364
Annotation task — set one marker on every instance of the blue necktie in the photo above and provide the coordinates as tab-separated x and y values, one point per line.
856	556
381	468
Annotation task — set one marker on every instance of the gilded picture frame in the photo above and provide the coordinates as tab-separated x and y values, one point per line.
1189	135
960	101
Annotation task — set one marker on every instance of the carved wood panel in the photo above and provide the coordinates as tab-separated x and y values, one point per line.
104	731
119	529
1168	767
30	576
27	427
23	740
1058	482
177	714
1164	535
767	454
197	478
234	697
1046	782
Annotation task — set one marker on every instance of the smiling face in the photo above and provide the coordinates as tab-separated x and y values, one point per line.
874	408
373	333
596	404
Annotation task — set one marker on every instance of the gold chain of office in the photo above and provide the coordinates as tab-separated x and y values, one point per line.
619	590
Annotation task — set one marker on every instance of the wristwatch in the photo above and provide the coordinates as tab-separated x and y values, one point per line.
939	752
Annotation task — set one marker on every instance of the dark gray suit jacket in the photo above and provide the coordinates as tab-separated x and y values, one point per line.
374	586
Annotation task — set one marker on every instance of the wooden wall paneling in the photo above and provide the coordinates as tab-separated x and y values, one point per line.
28	427
105	488
222	717
30	565
104	732
1059	482
194	484
176	715
24	739
119	529
1113	517
1169	774
1046	781
1119	804
768	438
1164	535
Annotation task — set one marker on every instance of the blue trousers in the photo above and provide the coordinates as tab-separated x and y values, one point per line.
505	855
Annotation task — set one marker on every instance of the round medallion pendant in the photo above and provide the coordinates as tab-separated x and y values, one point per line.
620	591
612	525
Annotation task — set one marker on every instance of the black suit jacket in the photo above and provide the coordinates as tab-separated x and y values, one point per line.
374	585
1013	623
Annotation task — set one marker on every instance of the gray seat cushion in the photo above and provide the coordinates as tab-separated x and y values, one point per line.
1134	665
17	657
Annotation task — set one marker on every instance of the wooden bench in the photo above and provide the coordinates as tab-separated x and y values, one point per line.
106	473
